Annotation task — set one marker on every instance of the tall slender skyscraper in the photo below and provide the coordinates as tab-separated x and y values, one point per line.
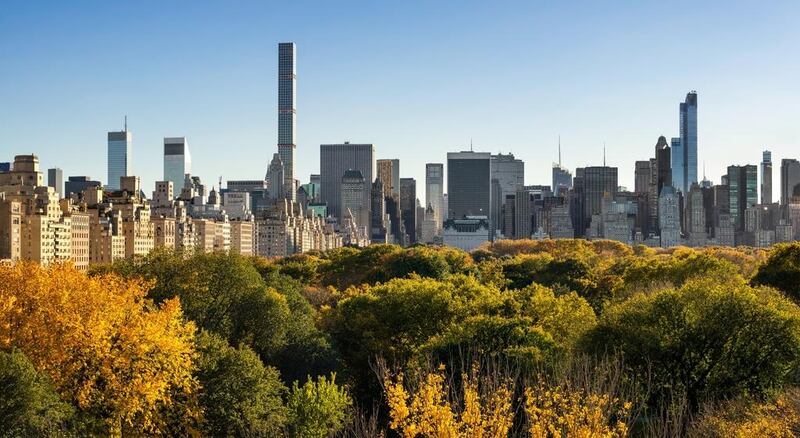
684	161
120	156
177	161
766	178
287	82
389	173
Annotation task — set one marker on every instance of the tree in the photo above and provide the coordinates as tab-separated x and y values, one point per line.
107	349
318	409
29	404
239	396
708	340
781	270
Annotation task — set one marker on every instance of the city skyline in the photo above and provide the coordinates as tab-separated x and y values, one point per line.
237	143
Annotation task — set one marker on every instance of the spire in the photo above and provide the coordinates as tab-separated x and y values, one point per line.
604	154
126	123
470	145
559	150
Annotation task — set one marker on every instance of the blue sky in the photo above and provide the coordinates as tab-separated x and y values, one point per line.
416	78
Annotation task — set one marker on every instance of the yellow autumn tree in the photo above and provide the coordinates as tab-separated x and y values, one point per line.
427	410
557	411
108	349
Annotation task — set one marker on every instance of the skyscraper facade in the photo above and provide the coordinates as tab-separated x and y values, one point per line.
389	173
766	178
434	191
468	184
790	180
742	192
685	174
408	207
334	160
177	161
120	157
353	202
676	163
598	181
287	81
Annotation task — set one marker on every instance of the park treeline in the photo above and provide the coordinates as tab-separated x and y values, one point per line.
518	338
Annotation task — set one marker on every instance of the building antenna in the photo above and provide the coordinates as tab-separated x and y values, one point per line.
704	170
470	145
559	150
126	123
604	154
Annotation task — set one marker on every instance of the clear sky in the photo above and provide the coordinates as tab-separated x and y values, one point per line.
416	78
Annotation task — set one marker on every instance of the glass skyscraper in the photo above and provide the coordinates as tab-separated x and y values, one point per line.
287	81
742	191
468	184
120	154
684	161
177	161
334	161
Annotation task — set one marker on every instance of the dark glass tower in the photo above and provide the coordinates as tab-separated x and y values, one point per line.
468	184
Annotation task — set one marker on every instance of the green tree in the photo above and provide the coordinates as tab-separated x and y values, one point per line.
239	395
318	409
29	403
782	269
708	340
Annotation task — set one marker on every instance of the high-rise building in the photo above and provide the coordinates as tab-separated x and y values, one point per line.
389	173
669	217
664	174
684	159
766	178
55	179
508	174
276	178
408	207
334	160
287	93
790	180
177	160
597	181
120	157
742	192
642	176
352	198
468	184
562	178
434	192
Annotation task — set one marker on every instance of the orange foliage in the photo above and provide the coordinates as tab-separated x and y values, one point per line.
107	348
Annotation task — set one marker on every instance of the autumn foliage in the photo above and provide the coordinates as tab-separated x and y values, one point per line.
106	347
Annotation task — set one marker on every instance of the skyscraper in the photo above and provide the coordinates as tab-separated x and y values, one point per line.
642	176
389	173
664	175
597	182
55	179
507	175
275	178
434	191
334	160
353	202
287	82
408	207
766	178
684	161
120	157
562	178
742	191
790	180
468	184
177	161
